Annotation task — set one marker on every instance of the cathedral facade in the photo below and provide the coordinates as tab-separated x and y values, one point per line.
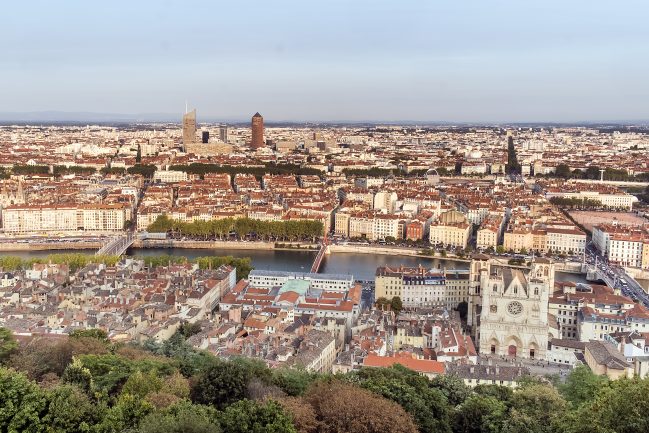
512	315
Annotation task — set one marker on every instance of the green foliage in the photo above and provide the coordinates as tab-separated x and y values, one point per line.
396	304
427	405
452	387
224	383
144	170
219	228
246	416
77	374
30	170
243	264
463	309
513	166
60	170
535	408
479	414
113	170
132	390
371	172
269	168
621	407
8	344
141	384
562	170
98	334
183	417
71	411
74	260
22	403
293	381
581	385
501	393
127	413
109	372
188	329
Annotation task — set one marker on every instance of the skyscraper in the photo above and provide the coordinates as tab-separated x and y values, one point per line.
223	133
206	137
257	131
189	127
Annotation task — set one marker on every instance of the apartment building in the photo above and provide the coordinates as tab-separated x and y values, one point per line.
625	245
52	218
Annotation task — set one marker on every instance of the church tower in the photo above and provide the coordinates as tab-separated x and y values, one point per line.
514	314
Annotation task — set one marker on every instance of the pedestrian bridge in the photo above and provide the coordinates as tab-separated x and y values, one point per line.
117	245
324	250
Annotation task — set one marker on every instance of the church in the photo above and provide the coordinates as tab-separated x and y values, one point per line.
511	315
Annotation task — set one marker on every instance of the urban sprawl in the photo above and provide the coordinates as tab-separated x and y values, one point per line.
516	205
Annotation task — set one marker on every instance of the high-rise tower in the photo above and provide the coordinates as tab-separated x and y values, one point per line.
223	133
189	127
257	131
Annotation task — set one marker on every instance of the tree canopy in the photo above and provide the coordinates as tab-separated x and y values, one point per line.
86	383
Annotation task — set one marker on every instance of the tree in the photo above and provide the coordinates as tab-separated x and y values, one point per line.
71	411
562	170
452	387
426	403
8	344
293	381
224	383
303	416
500	249
581	385
246	416
98	334
479	414
463	309
183	417
602	414
396	304
41	356
534	409
78	375
342	407
22	403
127	413
513	166
141	384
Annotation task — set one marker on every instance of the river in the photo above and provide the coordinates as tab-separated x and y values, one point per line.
361	266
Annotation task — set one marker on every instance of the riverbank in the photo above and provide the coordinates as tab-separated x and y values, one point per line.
391	251
47	246
225	245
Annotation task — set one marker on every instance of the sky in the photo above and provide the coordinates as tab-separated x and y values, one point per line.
332	60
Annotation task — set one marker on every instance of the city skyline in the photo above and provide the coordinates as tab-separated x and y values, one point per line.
376	61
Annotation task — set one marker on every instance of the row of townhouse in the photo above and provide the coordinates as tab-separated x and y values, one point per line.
52	218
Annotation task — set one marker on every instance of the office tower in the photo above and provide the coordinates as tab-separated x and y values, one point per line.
257	131
205	137
189	127
223	133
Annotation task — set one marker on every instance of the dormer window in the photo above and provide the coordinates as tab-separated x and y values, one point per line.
536	291
515	290
495	288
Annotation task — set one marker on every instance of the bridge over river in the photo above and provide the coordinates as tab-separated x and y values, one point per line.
116	246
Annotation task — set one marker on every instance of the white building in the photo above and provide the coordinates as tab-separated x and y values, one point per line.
328	282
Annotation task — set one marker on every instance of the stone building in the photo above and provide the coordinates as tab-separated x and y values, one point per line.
514	309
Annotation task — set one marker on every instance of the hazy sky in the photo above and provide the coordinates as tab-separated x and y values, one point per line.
455	60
